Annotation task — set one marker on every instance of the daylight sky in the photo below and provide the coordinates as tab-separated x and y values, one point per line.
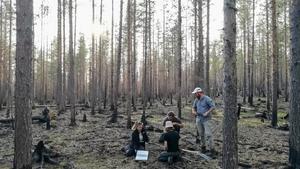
84	19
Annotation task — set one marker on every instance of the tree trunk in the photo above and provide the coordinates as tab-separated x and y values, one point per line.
23	131
59	91
251	87
245	63
93	82
179	59
112	107
268	59
71	68
199	73
144	89
118	68
133	84
149	88
275	64
64	87
129	43
207	86
294	118
9	96
286	94
230	139
195	43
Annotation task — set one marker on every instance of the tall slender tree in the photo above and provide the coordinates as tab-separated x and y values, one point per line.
64	57
179	59
71	66
118	67
9	96
133	70
93	82
199	67
207	87
294	118
23	130
230	139
129	58
59	90
268	59
112	107
286	83
275	64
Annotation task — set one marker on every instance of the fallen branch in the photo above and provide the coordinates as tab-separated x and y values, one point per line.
197	153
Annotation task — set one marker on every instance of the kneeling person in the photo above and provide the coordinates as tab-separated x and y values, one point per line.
138	139
171	144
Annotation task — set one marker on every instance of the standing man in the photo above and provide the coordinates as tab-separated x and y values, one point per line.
202	108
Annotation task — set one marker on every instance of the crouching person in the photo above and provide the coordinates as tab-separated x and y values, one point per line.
171	142
138	139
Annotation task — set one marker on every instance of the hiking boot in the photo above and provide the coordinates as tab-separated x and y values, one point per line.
170	160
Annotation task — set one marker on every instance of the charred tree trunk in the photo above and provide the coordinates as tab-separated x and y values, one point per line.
179	59
294	118
118	68
129	56
268	59
275	64
230	139
59	90
71	68
207	86
23	131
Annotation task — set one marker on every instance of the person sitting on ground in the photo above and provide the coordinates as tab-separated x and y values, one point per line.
171	144
176	121
138	139
44	118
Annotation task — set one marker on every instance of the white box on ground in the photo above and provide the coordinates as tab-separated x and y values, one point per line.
142	155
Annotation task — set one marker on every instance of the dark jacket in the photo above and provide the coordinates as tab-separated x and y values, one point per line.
135	139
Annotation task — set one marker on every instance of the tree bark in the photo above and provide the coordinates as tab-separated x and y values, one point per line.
112	60
294	118
133	84
93	82
195	42
199	74
118	68
207	86
286	94
64	58
129	56
179	59
251	87
23	131
275	64
268	59
9	96
71	68
59	91
230	139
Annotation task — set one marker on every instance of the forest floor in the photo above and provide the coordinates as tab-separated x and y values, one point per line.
97	144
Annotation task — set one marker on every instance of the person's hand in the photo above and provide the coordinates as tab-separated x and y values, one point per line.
205	114
174	123
194	112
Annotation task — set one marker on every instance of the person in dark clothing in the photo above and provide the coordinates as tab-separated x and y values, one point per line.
139	138
171	144
176	121
44	118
